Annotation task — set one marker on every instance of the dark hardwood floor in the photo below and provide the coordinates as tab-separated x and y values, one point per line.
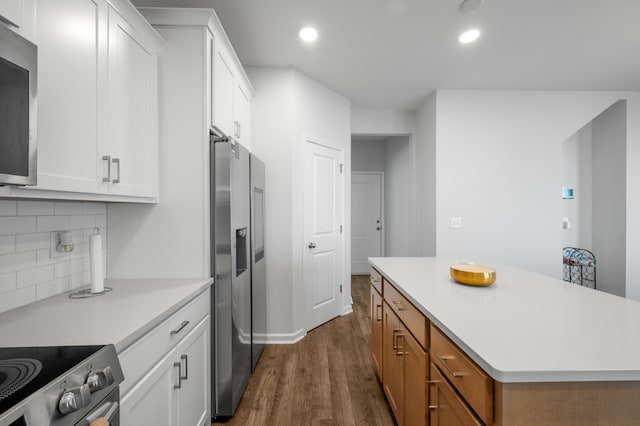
325	379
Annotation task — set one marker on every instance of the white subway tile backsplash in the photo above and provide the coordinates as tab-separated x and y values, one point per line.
7	282
79	280
29	269
28	242
68	208
7	244
52	223
17	298
82	221
35	208
8	208
44	257
33	276
51	288
101	221
70	267
17	261
13	225
95	208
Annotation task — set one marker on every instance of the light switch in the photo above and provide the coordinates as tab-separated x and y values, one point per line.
456	222
565	223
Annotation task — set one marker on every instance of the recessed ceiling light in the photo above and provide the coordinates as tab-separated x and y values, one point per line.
308	34
469	36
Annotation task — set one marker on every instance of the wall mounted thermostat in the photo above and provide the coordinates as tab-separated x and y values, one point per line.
567	193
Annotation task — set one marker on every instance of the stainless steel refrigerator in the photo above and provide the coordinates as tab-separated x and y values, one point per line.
232	256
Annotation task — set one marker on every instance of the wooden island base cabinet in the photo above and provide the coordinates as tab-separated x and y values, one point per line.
429	379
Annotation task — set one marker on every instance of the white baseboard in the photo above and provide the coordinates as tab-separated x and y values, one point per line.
348	309
284	338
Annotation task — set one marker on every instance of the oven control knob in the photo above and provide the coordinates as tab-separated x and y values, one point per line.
74	399
100	379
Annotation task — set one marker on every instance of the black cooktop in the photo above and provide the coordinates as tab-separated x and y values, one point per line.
25	370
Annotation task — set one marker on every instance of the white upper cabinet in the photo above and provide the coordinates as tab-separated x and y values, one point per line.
11	12
223	90
97	102
232	92
71	77
132	126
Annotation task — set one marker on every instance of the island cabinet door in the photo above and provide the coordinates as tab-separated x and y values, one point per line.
393	371
445	406
376	331
415	380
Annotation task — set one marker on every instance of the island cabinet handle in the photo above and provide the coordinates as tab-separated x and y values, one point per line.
394	337
444	359
399	349
399	305
378	309
179	329
373	280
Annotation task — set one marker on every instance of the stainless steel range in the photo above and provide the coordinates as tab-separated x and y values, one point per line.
61	385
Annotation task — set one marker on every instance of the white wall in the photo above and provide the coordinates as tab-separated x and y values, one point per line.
397	197
609	198
382	121
272	132
287	108
426	177
576	171
367	156
498	164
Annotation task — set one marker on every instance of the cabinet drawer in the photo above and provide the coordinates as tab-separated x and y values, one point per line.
142	355
475	386
445	406
408	314
376	280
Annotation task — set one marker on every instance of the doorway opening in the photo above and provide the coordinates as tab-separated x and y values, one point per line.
381	198
594	200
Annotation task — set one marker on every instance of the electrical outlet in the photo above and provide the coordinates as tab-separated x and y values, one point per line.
456	222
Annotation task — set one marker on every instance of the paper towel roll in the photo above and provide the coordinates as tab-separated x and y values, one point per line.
95	261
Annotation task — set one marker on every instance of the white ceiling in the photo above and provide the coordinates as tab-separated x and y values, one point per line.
392	53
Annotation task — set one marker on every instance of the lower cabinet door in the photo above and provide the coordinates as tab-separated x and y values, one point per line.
445	406
193	394
376	330
151	401
393	363
415	380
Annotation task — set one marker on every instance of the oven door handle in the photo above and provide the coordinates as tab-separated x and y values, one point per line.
107	411
111	413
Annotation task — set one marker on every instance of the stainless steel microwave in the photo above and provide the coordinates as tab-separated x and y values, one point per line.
18	127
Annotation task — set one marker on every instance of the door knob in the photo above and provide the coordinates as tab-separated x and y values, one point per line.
312	245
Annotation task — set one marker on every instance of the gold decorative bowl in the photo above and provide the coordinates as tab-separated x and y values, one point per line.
476	275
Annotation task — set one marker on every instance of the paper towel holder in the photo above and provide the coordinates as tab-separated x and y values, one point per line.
65	242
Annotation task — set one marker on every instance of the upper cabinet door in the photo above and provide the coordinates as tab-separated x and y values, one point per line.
242	115
71	38
223	88
132	110
11	12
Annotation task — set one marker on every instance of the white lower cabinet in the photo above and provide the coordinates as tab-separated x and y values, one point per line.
152	401
194	365
175	392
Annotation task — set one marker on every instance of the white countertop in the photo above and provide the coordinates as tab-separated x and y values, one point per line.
120	317
525	327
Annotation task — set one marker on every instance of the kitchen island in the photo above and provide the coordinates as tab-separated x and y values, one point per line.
552	352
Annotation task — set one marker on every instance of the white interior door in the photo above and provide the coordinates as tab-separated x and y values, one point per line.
323	210
366	220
